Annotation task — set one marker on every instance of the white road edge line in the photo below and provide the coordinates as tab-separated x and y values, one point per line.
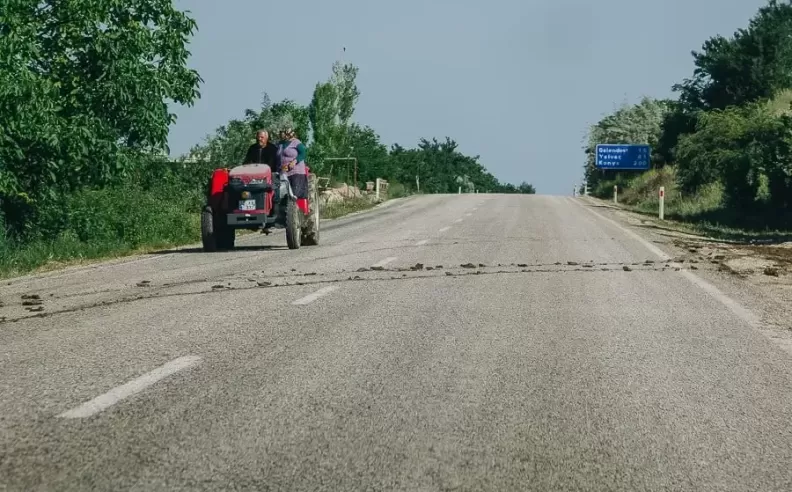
316	295
135	386
735	307
444	229
422	242
384	262
457	221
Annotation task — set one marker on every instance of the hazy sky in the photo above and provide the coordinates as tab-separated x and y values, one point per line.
514	81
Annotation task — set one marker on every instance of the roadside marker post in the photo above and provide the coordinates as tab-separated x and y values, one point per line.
662	202
615	194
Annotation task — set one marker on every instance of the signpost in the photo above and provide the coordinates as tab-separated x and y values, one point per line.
623	157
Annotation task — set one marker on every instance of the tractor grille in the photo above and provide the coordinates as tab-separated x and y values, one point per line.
255	192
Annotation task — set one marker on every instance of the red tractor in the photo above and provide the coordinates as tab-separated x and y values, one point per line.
244	198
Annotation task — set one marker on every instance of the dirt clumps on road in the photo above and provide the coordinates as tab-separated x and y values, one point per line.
744	260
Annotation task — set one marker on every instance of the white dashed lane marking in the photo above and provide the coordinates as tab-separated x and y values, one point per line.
316	295
119	393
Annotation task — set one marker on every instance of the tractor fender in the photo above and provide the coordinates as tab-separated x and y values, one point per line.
217	186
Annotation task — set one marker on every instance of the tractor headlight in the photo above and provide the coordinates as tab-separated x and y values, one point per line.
245	195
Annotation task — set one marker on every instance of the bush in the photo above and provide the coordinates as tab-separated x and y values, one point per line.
93	223
748	149
339	209
397	190
642	194
646	186
131	215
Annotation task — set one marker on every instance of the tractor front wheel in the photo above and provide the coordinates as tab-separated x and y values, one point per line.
208	235
215	233
294	218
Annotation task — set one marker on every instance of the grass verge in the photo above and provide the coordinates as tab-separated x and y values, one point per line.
339	209
91	233
701	213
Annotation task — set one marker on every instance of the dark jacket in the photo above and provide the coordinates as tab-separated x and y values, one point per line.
268	154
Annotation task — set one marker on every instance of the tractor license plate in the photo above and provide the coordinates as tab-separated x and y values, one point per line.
247	204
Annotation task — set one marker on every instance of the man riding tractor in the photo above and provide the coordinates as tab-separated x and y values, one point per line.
273	187
265	152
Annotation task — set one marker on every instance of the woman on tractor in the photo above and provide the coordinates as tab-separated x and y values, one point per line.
291	153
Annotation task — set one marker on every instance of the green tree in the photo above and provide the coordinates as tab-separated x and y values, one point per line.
748	149
372	155
640	123
330	113
228	144
754	64
322	113
526	188
347	93
287	113
84	92
437	164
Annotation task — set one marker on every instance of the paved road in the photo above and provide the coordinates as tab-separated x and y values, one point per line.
541	364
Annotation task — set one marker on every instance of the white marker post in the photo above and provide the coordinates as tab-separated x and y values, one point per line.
460	191
378	188
662	202
615	194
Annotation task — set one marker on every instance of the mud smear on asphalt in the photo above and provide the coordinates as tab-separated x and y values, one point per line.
745	260
266	280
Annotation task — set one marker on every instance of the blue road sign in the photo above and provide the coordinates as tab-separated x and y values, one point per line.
623	156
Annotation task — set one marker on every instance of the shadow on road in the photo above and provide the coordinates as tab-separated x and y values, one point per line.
237	248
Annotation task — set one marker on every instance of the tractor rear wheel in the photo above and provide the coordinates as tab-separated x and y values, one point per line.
310	230
294	218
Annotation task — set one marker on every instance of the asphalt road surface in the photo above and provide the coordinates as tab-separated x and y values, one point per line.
461	342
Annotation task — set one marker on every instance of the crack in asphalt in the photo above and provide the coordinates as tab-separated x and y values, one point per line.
367	274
